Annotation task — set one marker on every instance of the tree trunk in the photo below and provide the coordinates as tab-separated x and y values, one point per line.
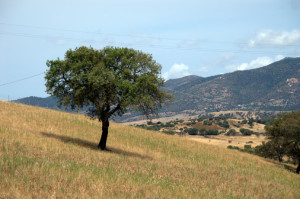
102	143
298	168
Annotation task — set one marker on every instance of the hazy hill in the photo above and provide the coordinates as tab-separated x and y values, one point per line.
48	102
51	154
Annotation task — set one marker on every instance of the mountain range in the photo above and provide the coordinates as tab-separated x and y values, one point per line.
275	87
272	87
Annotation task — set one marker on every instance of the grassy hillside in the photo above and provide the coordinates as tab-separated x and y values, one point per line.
46	154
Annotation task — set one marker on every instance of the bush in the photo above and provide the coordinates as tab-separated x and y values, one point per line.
212	132
191	131
191	123
209	123
247	132
149	123
224	124
202	132
244	122
233	147
231	132
169	132
168	124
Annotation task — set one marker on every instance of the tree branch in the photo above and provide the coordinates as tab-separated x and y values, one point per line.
118	107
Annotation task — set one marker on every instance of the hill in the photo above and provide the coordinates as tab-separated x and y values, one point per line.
275	87
51	154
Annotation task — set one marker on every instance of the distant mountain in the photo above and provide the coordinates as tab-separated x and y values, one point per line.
275	87
48	102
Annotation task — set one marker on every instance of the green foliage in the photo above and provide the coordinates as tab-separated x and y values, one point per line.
169	132
284	138
206	122
247	132
191	123
244	122
212	132
271	149
224	124
233	147
169	124
231	132
150	127
191	131
208	132
109	81
149	123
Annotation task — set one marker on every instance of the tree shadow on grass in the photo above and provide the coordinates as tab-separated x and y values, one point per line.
93	146
289	167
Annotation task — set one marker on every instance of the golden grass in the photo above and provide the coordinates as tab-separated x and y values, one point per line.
224	141
51	154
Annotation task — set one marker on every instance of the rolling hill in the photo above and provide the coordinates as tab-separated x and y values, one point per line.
275	87
52	154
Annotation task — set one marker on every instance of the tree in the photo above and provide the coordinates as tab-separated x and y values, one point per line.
271	149
285	133
191	131
109	81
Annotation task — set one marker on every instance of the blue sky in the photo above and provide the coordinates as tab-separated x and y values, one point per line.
190	37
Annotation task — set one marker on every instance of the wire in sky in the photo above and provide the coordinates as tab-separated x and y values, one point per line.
157	46
137	36
19	80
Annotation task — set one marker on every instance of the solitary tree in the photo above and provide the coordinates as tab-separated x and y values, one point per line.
285	133
108	81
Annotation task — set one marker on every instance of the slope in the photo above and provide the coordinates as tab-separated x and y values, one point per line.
273	87
48	154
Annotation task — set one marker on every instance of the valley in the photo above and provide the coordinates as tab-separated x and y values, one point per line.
214	129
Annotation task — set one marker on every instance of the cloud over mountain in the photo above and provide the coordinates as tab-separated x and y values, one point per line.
271	38
177	71
256	63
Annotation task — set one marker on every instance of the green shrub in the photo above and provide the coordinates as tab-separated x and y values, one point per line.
233	147
212	132
209	123
169	132
247	132
224	124
191	131
231	132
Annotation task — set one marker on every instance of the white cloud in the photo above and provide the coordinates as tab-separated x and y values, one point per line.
259	62
272	38
177	71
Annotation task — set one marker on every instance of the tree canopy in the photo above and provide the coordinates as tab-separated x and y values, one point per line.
108	81
284	135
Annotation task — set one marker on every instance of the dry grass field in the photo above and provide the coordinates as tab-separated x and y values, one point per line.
51	154
239	141
224	141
